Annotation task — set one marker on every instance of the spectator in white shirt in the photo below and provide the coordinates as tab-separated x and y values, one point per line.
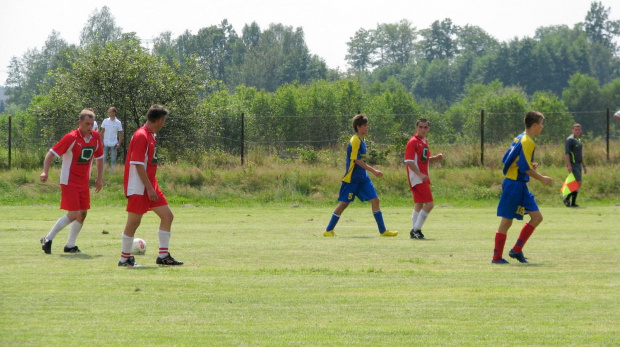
112	134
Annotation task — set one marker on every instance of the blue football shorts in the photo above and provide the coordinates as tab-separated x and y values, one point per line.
364	191
516	200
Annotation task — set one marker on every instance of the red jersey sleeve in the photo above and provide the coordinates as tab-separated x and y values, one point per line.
63	145
140	146
410	149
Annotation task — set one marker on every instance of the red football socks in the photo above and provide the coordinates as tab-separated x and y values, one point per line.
500	241
526	232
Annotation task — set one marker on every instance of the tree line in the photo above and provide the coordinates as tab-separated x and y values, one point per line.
209	79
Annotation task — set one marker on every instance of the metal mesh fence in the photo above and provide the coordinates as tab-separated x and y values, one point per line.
24	141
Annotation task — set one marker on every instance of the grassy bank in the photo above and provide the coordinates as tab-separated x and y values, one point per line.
291	182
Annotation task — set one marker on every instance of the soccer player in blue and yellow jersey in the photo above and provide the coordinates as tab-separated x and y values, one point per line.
356	181
516	199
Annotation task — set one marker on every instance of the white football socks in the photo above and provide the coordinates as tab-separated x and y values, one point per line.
126	247
60	224
421	219
414	218
73	233
164	243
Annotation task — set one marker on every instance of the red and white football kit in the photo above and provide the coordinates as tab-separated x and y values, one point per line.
417	151
77	154
142	151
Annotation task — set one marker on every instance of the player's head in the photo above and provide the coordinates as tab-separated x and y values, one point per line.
422	126
112	111
87	113
157	112
358	121
576	129
86	119
533	117
422	120
157	115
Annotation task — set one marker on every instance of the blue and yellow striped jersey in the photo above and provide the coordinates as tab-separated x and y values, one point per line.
356	149
518	158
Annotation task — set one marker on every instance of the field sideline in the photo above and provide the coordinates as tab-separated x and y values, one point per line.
266	276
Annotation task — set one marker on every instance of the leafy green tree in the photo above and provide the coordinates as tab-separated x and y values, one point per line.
100	29
611	95
558	121
30	72
440	40
599	29
584	98
214	47
164	48
122	74
360	50
394	43
560	53
471	39
275	57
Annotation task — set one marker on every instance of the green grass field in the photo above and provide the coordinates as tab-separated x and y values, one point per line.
266	276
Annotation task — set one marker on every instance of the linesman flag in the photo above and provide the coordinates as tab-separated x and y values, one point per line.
570	185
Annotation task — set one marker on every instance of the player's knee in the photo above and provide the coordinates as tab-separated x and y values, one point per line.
536	219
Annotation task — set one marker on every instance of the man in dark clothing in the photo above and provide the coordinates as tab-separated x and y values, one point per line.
573	151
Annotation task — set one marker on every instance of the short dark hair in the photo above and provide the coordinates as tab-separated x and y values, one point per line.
112	108
87	112
532	118
156	112
422	120
358	121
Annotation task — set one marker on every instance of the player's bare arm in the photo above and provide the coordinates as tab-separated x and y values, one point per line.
99	181
544	179
47	163
417	171
436	157
368	167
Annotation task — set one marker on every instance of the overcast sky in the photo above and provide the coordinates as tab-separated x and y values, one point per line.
327	24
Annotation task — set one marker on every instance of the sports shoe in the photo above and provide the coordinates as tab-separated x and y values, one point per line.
389	233
518	255
566	202
46	245
167	260
73	249
574	205
131	262
329	233
500	262
416	234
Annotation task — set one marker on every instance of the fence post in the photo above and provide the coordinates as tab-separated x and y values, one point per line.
242	143
482	137
607	135
10	131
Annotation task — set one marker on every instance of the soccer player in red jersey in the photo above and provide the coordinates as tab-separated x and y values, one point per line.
77	149
142	191
417	157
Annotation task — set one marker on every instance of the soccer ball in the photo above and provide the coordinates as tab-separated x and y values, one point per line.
138	247
617	116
